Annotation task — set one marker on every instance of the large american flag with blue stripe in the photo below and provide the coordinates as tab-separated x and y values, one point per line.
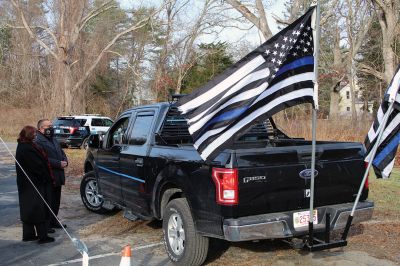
276	75
384	158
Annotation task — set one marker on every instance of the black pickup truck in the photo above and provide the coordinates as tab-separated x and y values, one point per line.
146	164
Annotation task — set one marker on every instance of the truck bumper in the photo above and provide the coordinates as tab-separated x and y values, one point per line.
280	225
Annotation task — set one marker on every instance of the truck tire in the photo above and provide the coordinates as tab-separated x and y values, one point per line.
183	244
89	193
85	144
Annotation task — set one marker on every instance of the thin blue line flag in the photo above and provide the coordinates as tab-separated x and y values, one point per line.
276	75
385	156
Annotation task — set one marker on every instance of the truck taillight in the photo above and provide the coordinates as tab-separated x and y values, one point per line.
226	184
366	185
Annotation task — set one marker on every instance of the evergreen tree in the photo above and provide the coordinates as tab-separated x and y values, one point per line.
214	60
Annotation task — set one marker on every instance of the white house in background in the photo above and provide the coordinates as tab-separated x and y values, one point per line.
345	101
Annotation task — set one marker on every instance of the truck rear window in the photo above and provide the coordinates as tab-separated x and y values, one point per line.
175	130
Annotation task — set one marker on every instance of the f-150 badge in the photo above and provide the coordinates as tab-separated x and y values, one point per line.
248	179
306	174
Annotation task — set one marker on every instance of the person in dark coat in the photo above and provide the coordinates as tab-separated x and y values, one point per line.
58	161
33	210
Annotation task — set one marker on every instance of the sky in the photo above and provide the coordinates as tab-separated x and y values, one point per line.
230	35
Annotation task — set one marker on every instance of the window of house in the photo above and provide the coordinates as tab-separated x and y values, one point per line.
348	109
347	94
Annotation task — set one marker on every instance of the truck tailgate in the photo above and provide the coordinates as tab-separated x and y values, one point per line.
276	178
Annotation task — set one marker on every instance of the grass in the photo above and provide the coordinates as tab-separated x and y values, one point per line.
76	159
327	129
386	193
12	120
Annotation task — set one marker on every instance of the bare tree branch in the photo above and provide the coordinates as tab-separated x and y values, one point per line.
29	30
37	27
127	63
251	17
370	70
103	8
138	25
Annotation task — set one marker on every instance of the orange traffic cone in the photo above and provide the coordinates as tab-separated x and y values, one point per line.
126	256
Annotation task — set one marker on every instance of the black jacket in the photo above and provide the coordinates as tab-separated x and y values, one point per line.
32	208
55	154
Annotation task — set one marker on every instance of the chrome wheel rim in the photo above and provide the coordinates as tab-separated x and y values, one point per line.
92	195
176	234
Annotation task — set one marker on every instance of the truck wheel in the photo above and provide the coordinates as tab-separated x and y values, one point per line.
182	243
89	193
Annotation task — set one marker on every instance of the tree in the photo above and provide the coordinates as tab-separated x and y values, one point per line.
358	20
178	45
214	60
388	14
71	18
5	43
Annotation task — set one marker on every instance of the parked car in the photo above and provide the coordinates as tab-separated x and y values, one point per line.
73	131
258	189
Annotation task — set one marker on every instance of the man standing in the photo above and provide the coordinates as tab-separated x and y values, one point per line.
58	161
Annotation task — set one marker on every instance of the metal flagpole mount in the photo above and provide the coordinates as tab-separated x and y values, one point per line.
373	153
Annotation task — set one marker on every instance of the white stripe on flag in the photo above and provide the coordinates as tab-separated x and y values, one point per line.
388	169
222	86
380	115
261	74
394	88
389	128
207	135
284	83
241	97
371	133
248	119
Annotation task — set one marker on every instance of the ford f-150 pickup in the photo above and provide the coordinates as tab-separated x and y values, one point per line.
257	189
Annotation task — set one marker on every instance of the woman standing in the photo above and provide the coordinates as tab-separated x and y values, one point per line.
33	211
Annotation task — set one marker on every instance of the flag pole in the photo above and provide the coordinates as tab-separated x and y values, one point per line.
373	153
314	122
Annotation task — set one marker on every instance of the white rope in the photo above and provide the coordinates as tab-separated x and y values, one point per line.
79	245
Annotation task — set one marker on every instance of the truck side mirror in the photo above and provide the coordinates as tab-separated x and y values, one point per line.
95	141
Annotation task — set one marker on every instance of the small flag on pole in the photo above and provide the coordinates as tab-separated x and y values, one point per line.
384	160
276	75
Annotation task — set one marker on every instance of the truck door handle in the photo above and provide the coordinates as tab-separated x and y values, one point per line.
139	162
